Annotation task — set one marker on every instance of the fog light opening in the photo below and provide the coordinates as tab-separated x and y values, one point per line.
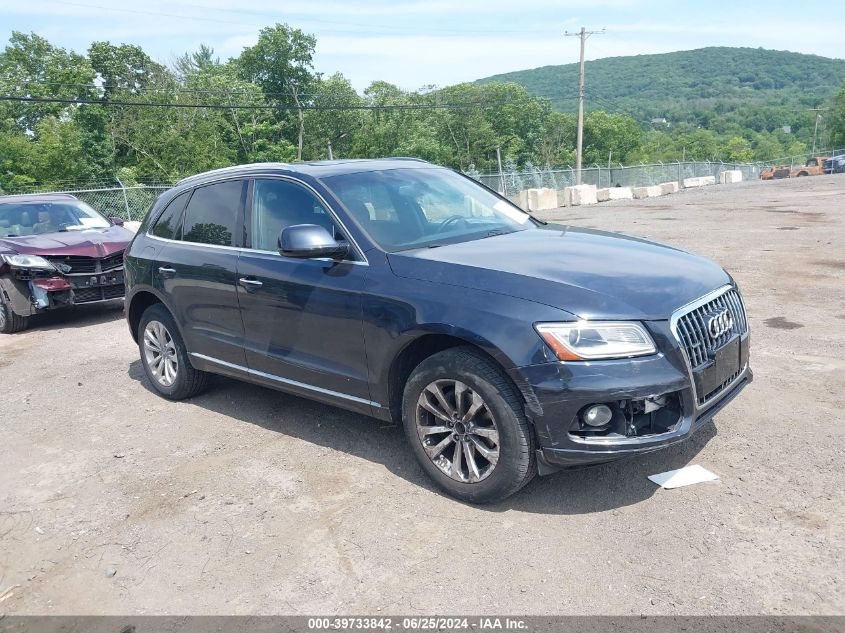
596	415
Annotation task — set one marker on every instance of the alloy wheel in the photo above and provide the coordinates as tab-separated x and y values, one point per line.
457	431
160	353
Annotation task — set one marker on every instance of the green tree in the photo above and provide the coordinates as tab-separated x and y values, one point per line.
338	127
32	66
125	68
738	150
281	62
837	117
605	133
191	63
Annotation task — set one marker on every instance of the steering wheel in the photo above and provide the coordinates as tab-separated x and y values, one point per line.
452	219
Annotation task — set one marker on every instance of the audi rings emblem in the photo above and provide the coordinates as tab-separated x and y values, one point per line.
719	323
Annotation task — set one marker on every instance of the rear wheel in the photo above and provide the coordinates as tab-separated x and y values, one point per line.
165	357
467	428
9	321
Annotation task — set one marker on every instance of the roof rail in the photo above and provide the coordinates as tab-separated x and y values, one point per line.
225	170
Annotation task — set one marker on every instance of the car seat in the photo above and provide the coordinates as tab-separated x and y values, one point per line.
44	224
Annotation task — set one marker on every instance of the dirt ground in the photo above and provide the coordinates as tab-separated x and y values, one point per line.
246	500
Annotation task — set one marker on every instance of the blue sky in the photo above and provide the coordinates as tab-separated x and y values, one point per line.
415	43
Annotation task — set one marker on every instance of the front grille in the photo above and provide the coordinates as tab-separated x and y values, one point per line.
114	292
100	293
76	264
111	262
81	265
692	327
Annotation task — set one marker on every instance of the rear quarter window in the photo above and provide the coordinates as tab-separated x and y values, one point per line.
167	225
211	216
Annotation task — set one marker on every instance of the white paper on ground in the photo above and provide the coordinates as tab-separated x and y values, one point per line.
683	477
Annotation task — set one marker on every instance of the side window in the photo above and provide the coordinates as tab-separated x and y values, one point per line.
167	225
277	204
212	214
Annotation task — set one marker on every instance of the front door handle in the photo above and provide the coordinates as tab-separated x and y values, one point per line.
167	273
250	284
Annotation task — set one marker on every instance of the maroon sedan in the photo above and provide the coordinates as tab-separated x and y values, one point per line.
56	251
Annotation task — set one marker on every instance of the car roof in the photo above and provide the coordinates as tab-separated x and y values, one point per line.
37	197
316	169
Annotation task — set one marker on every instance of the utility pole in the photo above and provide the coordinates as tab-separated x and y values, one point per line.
583	34
501	173
818	112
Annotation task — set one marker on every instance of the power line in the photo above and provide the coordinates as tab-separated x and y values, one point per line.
222	106
213	92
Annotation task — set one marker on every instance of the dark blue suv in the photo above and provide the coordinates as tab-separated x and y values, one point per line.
409	292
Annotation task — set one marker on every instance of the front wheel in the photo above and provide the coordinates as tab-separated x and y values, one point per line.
467	428
165	357
9	321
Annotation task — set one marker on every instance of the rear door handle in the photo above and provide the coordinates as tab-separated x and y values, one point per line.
250	284
167	273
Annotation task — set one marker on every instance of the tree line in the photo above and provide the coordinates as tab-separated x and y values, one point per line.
68	119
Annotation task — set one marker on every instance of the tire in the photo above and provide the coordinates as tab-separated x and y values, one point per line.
172	376
499	426
9	321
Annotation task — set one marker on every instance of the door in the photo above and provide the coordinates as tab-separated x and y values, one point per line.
302	318
196	270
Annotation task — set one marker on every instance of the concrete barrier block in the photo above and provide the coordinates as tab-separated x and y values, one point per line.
562	198
546	199
580	194
669	187
614	193
521	199
132	225
730	176
647	192
699	181
538	199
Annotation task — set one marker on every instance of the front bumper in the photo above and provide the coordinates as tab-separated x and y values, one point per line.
31	294
561	390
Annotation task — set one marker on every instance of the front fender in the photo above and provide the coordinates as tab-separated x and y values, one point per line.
396	312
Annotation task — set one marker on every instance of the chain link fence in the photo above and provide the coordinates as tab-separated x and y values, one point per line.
132	202
613	176
127	203
511	183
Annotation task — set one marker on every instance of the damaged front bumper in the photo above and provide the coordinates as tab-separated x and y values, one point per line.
652	400
30	292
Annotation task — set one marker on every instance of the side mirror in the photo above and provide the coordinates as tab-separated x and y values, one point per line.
116	221
310	240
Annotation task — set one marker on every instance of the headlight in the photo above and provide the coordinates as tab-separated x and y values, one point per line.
586	340
28	261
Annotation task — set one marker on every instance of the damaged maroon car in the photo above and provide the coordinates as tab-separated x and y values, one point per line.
56	251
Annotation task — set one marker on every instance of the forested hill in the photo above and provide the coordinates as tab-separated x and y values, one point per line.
689	85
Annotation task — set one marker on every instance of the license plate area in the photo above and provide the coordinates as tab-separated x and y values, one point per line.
96	280
724	364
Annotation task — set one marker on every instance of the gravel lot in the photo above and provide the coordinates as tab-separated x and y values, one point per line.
245	500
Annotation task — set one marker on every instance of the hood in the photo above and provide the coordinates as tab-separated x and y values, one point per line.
590	274
87	243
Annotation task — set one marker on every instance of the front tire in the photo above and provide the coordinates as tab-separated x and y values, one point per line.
9	321
165	357
467	427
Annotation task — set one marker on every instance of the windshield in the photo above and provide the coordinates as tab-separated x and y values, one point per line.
414	208
37	218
